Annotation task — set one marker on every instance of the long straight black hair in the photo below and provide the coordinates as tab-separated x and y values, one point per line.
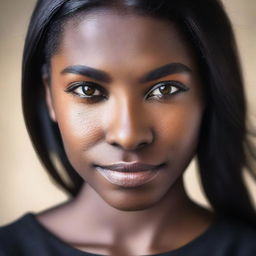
221	150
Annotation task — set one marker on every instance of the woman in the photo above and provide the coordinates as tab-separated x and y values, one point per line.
124	94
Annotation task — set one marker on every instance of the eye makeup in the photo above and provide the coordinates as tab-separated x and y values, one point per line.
92	91
87	90
171	88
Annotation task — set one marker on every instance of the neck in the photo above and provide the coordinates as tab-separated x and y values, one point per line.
170	213
88	221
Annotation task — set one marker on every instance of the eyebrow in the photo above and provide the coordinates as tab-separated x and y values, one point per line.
168	69
93	73
101	76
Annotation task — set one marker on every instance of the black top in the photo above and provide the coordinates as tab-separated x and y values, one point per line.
27	237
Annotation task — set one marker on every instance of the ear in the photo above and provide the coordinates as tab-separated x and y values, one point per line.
48	98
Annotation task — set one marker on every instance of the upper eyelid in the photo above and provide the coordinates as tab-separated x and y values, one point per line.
153	87
74	85
172	82
168	82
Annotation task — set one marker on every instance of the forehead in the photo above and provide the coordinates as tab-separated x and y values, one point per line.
112	37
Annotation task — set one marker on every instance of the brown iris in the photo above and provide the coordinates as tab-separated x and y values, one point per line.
165	89
89	91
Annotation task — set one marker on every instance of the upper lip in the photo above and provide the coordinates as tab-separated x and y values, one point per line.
130	167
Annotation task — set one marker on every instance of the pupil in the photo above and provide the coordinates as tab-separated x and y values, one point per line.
88	90
165	89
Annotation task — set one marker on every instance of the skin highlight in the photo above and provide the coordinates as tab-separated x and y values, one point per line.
128	121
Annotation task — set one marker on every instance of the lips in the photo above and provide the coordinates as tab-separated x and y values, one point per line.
129	174
130	167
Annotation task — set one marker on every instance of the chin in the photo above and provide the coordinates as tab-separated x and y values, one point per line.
132	201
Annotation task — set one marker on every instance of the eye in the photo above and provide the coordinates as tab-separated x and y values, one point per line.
167	89
86	90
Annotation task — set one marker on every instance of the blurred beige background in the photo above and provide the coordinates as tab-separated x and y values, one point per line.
24	185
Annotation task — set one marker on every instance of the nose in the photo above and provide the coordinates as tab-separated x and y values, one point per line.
129	127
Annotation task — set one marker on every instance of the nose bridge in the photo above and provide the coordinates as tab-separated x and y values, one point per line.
128	127
129	116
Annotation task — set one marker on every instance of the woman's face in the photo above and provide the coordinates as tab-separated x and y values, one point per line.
125	92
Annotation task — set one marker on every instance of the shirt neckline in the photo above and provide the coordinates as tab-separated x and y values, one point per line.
195	243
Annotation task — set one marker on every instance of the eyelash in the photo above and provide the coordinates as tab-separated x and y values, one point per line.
102	94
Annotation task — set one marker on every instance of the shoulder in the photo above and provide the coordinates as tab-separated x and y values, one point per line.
15	233
19	236
232	237
26	236
224	237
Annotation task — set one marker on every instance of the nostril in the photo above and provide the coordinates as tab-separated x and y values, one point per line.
115	144
135	147
142	145
131	140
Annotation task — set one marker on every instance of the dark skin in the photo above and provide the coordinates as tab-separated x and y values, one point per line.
126	117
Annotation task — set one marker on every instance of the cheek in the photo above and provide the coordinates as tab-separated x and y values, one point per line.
80	128
179	130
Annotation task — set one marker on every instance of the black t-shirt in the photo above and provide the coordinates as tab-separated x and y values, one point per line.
27	237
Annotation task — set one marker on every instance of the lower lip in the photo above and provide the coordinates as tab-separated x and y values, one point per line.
128	179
